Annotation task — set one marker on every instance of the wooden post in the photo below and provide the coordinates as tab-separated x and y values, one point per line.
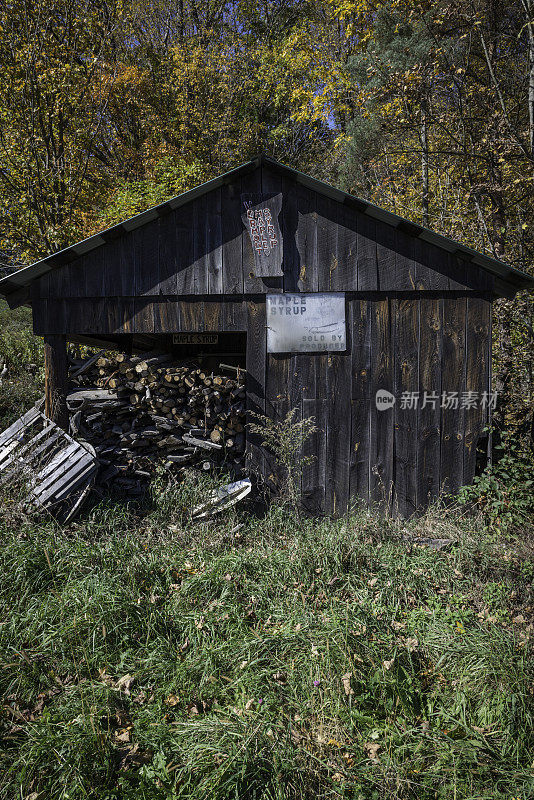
56	379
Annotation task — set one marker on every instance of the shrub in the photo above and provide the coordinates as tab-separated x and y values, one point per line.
284	438
504	491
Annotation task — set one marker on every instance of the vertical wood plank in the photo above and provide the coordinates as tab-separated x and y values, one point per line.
185	275
345	277
214	242
360	320
200	244
289	220
212	315
360	436
386	257
406	270
56	379
192	316
303	377
143	318
476	379
167	255
453	387
430	352
314	473
306	239
338	433
250	184
145	243
326	242
232	233
406	354
277	377
167	317
92	282
429	260
367	254
256	379
382	421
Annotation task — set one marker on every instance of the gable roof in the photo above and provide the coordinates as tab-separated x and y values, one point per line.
507	279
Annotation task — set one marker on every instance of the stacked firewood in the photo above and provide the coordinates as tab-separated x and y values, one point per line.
139	412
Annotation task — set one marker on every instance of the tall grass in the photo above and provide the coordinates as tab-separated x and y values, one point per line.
146	657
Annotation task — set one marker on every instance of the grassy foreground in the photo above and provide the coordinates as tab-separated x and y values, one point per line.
145	657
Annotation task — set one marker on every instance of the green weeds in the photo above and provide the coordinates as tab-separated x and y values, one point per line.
145	657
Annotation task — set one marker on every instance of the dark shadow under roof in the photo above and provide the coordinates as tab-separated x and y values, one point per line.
507	279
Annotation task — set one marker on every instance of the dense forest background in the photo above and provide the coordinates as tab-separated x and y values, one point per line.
427	109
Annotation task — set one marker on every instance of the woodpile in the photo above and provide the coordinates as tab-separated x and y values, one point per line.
139	412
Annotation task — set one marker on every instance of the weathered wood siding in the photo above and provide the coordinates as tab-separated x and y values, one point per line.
418	321
413	343
203	248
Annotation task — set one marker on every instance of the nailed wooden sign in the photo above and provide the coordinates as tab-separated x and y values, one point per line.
260	218
195	338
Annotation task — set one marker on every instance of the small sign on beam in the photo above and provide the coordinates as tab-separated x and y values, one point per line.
306	323
195	338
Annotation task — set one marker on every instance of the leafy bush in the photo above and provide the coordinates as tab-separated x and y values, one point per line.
504	492
284	438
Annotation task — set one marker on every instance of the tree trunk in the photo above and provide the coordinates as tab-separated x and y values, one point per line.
530	28
56	379
424	166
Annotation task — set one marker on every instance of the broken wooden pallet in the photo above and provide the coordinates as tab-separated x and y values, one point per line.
53	466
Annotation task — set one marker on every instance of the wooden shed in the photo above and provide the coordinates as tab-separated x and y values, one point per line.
378	328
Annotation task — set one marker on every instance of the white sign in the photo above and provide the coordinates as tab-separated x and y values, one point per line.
305	323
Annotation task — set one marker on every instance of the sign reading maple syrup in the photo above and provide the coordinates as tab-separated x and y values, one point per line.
195	338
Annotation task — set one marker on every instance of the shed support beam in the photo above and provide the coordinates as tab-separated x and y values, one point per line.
56	379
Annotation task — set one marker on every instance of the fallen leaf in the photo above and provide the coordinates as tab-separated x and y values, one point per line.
196	707
172	700
122	735
125	683
280	677
337	776
398	626
411	643
389	664
371	749
372	582
519	619
249	704
345	679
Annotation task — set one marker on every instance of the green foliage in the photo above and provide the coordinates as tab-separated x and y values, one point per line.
22	354
285	439
169	177
146	657
504	492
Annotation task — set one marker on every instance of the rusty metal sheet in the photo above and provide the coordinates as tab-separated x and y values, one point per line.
306	323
